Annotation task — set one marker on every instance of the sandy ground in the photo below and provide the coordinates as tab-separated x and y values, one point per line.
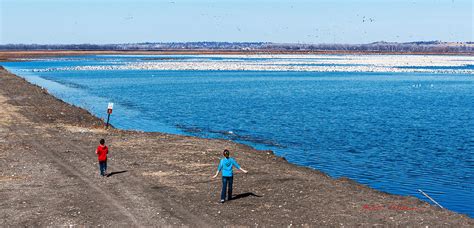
49	176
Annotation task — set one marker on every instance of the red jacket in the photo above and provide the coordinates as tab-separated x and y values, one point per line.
102	152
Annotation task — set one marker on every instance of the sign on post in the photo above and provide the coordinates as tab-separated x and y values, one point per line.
110	107
109	111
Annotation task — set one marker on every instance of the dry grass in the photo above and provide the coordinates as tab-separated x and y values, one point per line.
76	129
8	113
12	178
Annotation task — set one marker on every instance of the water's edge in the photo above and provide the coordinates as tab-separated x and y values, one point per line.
282	158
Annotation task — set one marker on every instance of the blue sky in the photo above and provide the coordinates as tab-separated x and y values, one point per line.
282	21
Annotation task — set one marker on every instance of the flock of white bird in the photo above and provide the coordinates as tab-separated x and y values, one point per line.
444	64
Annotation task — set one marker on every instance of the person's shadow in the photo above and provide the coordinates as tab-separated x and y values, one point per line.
117	172
244	195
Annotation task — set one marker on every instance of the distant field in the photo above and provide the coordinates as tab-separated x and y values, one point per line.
15	55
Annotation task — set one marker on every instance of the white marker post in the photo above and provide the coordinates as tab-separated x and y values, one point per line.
109	111
432	200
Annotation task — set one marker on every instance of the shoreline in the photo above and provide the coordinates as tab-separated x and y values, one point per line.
274	193
6	55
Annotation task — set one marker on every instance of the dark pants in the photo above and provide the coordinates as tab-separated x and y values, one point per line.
227	181
102	167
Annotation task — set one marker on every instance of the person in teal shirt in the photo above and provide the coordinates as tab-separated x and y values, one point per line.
225	165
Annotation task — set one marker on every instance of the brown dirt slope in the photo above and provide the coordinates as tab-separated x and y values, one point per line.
49	176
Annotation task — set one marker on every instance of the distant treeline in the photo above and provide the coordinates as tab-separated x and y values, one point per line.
422	46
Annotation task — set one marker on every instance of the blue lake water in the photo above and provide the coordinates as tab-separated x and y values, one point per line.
396	132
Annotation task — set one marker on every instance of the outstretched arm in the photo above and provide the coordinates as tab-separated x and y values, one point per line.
217	173
238	166
218	170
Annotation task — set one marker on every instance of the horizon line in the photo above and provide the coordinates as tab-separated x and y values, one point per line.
244	42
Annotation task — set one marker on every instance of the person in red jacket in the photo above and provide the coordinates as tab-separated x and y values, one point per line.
102	151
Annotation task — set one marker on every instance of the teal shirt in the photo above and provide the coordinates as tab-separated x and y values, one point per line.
225	165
